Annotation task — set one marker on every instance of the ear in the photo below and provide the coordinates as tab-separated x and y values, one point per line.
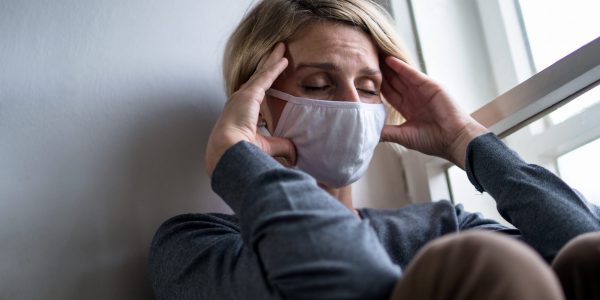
261	121
264	116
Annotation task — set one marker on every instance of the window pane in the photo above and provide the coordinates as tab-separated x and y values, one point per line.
580	168
556	28
573	108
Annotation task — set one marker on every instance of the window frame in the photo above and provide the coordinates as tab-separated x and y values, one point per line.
525	96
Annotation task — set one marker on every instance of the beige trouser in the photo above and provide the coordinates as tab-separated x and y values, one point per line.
487	265
578	267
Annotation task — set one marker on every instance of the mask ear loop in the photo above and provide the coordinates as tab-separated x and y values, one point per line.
262	126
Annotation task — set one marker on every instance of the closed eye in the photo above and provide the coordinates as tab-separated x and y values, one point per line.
370	92
316	88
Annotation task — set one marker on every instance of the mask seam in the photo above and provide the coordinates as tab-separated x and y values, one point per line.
363	139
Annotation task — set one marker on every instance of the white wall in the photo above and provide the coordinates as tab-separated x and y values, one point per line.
454	49
384	184
105	109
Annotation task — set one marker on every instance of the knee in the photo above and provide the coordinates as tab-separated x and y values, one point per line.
486	252
482	263
577	266
477	244
582	251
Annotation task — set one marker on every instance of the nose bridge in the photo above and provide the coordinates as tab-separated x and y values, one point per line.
347	92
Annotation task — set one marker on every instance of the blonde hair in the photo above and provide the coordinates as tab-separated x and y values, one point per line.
273	21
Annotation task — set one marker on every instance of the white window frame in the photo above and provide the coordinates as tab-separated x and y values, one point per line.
534	98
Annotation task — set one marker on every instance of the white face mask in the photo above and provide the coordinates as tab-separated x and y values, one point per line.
334	140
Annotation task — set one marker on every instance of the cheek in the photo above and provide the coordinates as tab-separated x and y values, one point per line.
275	107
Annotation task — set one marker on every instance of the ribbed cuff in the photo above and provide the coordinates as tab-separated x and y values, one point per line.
483	154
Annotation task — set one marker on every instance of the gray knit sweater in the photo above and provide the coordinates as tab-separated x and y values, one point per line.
289	239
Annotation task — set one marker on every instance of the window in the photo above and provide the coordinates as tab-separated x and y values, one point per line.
556	28
562	111
522	68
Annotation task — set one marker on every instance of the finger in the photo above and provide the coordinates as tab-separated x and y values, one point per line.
407	72
388	133
280	147
262	80
400	101
243	107
270	67
394	81
265	63
261	63
391	95
256	87
277	53
399	134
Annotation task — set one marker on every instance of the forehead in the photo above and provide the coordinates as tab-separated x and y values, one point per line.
330	42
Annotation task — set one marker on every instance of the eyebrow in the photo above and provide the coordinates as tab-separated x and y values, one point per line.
333	67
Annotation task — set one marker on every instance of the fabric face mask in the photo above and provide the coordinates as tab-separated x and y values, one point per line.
334	140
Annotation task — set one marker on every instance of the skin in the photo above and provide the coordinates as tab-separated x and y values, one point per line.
334	61
328	61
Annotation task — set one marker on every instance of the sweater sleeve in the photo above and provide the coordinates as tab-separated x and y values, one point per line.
201	256
547	212
304	243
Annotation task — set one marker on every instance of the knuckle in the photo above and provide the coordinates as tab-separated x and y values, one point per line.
249	92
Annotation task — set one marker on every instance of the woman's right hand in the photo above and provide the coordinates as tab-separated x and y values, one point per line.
240	116
434	124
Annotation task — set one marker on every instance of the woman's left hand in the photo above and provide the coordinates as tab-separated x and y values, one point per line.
434	123
240	116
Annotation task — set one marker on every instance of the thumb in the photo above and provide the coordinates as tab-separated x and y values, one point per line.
390	133
279	147
405	134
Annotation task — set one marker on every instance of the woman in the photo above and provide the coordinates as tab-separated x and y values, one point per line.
307	81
